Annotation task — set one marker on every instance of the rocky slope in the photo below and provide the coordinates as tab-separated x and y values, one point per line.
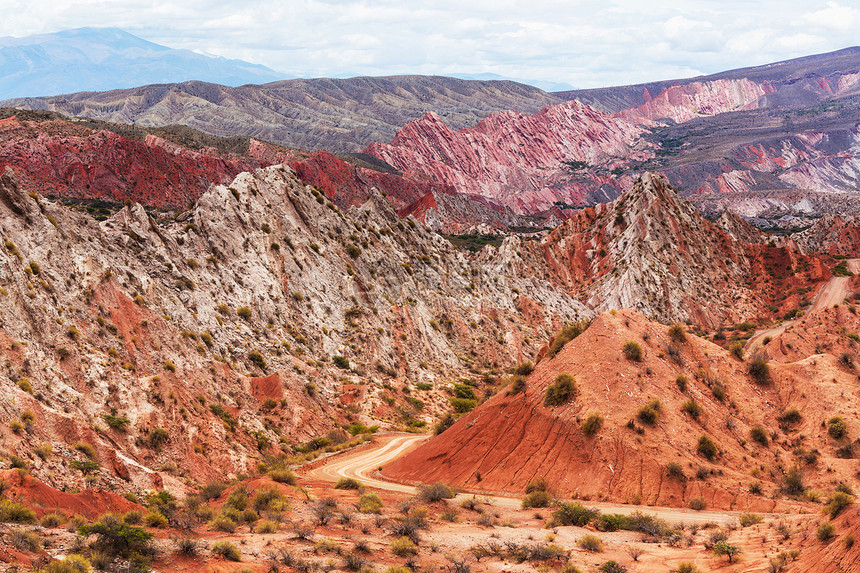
221	327
652	251
649	458
517	160
331	114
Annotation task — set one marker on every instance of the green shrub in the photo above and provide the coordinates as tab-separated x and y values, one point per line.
536	499
737	350
838	501
340	362
117	538
561	390
693	408
590	543
759	434
723	548
244	312
436	492
524	368
825	532
707	448
157	438
792	482
14	512
463	405
370	503
675	470
116	422
650	412
267	526
86	466
71	564
226	550
632	351
592	424
687	567
518	384
573	513
790	417
257	359
697	504
155	519
403	546
223	523
759	369
539	483
677	333
567	334
836	427
282	475
747	519
612	567
681	381
348	483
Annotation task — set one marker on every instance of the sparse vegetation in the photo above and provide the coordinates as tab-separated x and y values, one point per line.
707	448
632	351
568	333
592	424
561	390
759	369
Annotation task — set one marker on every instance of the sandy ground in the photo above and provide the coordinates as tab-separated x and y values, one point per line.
363	464
833	292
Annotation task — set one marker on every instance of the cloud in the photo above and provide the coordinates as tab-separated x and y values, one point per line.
586	44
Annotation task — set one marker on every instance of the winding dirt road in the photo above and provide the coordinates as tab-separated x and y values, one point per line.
833	292
362	464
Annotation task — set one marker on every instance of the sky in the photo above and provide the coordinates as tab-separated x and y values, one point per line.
583	43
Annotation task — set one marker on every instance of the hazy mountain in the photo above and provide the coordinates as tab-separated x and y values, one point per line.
97	59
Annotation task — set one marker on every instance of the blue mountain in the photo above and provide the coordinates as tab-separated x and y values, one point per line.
99	59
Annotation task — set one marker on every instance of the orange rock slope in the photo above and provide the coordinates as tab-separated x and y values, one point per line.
514	437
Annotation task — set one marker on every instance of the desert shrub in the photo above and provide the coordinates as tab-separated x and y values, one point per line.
573	513
187	545
537	499
725	549
693	408
86	466
537	484
681	381
632	351
51	520
677	333
836	427
25	540
268	498
759	434
155	519
687	567
570	568
462	405
561	390
267	526
223	523
14	512
524	368
244	312
650	412
612	567
282	475
117	538
133	517
213	490
370	503
518	384
697	504
675	470
341	362
838	501
759	369
444	423
737	350
824	532
403	547
436	492
71	564
792	482
707	448
348	483
567	334
789	418
116	422
590	543
257	359
747	519
592	424
612	522
226	550
158	437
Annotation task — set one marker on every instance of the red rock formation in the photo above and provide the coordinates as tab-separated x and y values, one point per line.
515	159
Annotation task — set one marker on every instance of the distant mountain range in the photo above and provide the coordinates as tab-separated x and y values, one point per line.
98	59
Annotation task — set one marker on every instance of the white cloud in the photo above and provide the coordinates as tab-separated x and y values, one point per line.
583	43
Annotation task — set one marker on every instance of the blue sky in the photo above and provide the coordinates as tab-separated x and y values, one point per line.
581	43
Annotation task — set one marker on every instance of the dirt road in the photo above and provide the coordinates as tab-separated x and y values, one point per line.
363	463
833	292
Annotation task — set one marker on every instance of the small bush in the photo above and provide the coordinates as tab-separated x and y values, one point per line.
116	422
257	359
14	512
677	333
789	418
836	427
537	484
650	412
524	368
612	567
592	424
244	312
675	470
759	434
632	351
370	503
436	492
226	550
536	499
681	381
340	362
71	564
518	384
52	520
723	548
223	523
693	408
348	483
573	513
158	437
561	390
825	532
687	567
282	475
155	519
697	504
747	519
590	543
707	448
403	547
737	350
267	526
792	482
759	369
567	334
838	501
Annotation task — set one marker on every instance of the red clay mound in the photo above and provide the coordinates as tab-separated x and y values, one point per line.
44	499
513	438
